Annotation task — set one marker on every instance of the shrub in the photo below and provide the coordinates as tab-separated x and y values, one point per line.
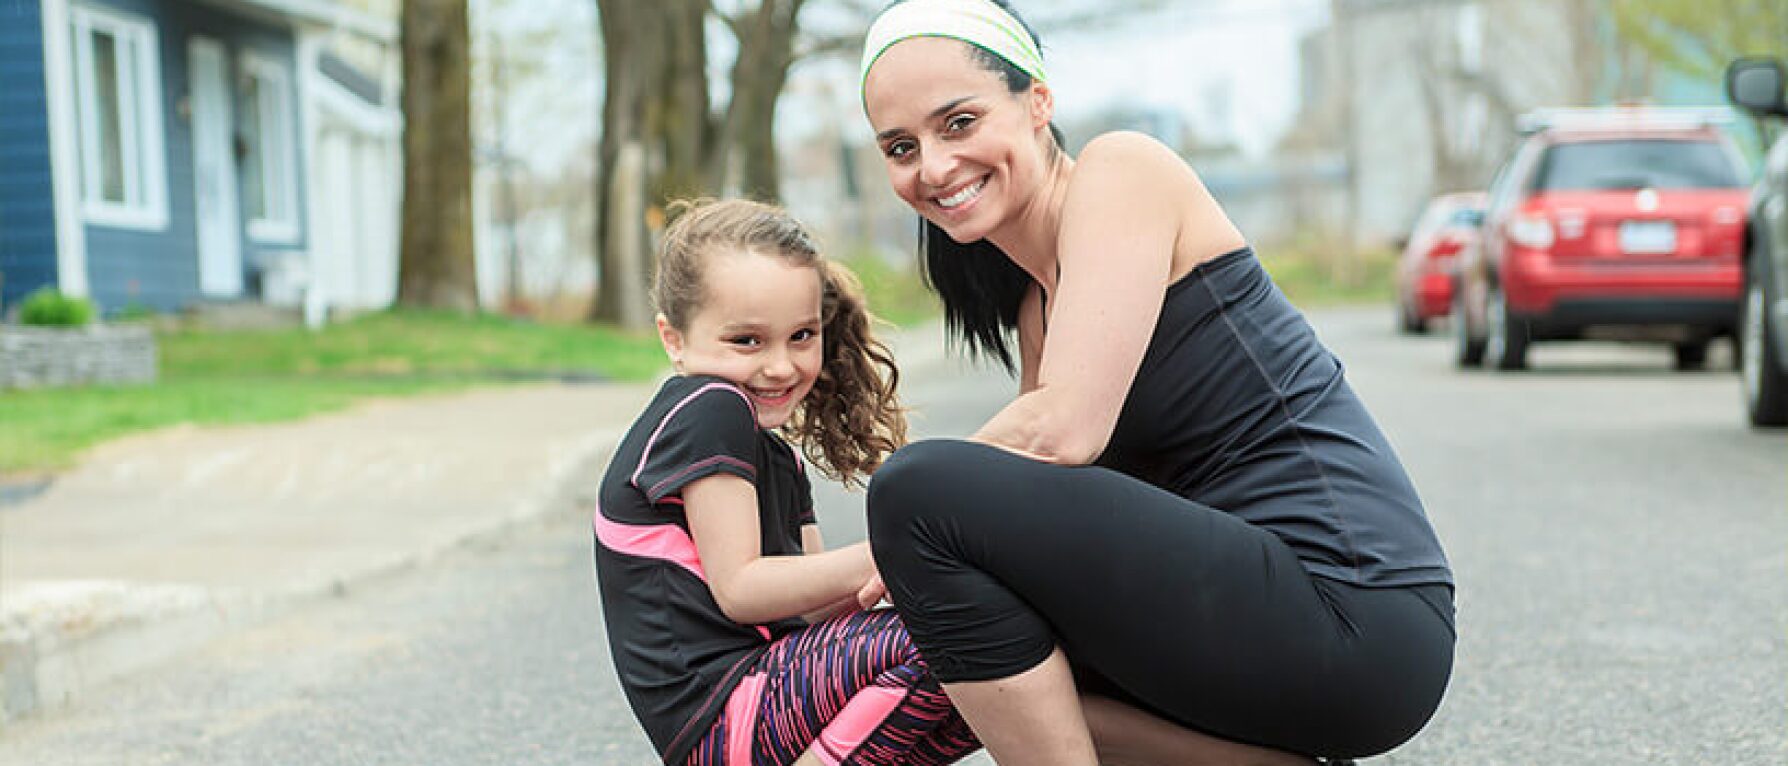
48	307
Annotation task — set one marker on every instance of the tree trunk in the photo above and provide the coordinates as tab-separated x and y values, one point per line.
766	50
656	100
436	263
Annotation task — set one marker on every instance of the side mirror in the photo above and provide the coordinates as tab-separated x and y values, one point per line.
1756	85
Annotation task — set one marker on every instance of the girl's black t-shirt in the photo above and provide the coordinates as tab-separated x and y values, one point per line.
676	653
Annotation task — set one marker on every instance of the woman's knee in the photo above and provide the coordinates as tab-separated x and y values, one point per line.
912	483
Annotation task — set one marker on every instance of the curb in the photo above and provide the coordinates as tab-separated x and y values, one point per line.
51	656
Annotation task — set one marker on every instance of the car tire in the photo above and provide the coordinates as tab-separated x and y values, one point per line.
1505	336
1408	322
1469	351
1691	355
1765	382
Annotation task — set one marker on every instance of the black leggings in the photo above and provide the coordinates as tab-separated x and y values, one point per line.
1157	601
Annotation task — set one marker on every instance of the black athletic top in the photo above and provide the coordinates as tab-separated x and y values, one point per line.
1238	406
677	654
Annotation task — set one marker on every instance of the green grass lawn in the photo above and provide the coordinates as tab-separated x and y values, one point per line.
895	294
244	376
1307	272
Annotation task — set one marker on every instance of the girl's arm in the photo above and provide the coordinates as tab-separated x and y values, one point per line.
813	543
1120	225
752	588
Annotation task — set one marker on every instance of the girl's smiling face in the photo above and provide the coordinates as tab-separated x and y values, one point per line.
959	147
757	325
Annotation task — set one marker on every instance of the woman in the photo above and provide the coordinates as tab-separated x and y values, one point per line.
1185	541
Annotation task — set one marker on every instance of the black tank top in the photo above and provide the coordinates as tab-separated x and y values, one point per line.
1238	406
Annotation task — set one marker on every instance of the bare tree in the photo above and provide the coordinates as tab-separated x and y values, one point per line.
766	37
656	108
436	263
657	105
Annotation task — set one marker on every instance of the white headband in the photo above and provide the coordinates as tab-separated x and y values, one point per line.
977	22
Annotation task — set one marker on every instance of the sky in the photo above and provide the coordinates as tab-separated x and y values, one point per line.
1228	67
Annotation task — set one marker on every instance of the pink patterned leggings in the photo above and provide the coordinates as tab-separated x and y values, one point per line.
855	685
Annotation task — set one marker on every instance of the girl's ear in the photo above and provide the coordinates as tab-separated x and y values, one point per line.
672	340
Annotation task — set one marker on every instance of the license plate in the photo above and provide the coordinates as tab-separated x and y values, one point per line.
1647	237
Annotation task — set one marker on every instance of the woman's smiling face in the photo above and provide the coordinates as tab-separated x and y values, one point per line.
959	147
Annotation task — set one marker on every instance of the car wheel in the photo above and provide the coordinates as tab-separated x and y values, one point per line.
1469	350
1505	336
1691	355
1407	321
1765	384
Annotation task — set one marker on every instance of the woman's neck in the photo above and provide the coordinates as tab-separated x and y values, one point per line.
1029	238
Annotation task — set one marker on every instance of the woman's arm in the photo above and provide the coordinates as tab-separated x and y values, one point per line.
1120	223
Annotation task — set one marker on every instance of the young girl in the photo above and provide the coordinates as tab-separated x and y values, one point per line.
739	640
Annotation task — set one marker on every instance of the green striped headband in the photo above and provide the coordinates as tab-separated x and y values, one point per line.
977	22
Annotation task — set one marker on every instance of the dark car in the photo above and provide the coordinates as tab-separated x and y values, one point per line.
1622	223
1447	228
1756	85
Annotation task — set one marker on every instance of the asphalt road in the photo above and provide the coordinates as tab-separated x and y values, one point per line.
1620	540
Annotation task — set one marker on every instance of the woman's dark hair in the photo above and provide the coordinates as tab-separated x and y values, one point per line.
981	287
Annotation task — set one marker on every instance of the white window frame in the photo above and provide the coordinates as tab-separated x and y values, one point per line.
278	126
142	150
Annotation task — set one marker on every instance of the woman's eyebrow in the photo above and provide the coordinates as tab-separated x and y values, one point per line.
935	113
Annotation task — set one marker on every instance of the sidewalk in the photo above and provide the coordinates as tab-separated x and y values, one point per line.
158	543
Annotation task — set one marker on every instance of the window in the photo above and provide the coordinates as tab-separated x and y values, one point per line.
269	183
1638	164
118	111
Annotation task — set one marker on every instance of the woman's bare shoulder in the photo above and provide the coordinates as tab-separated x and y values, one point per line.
1137	159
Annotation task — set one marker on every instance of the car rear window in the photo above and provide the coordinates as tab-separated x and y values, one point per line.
1636	164
1466	216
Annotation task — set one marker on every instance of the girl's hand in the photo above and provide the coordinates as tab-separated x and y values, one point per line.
872	592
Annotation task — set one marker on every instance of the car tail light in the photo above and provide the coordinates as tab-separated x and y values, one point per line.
1531	230
1445	248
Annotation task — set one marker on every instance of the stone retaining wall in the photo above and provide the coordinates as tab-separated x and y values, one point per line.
43	357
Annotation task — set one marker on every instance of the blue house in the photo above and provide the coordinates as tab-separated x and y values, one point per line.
161	153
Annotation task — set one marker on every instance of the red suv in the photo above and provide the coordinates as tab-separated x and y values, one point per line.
1623	223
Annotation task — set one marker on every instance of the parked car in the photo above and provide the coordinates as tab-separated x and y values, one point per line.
1621	223
1756	85
1446	228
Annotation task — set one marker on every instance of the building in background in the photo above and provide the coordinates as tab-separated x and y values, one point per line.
161	153
1418	98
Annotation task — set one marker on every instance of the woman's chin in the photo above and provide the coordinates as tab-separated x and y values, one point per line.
959	233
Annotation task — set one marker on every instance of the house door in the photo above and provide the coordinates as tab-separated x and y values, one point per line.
214	170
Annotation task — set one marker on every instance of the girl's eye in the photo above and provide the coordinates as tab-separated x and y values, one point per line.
743	340
959	123
804	335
